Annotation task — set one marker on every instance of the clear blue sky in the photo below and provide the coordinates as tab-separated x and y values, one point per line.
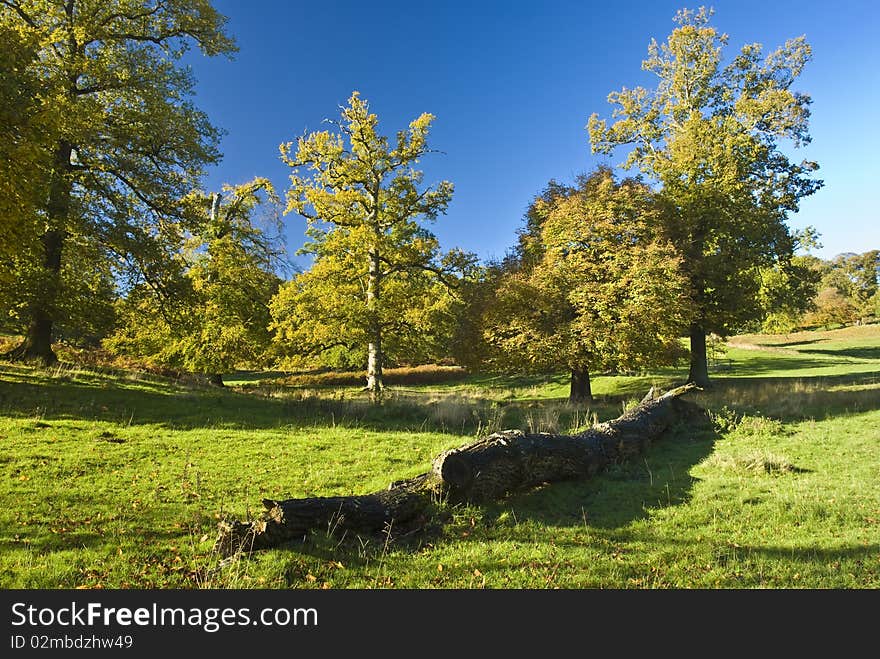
512	85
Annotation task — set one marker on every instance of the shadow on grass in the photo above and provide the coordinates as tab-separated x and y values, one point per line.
793	343
611	500
740	565
44	533
758	363
856	353
254	376
36	396
29	394
623	493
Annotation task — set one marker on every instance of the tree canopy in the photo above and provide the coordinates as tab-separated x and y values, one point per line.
217	317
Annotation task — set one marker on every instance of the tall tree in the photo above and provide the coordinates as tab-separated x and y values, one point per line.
218	316
849	285
375	265
710	133
606	294
471	346
127	142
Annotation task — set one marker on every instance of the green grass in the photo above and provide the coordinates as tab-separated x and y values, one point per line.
117	479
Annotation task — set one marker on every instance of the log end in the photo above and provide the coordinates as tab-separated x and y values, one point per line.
234	537
454	470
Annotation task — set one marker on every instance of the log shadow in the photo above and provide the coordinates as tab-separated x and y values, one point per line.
622	493
611	500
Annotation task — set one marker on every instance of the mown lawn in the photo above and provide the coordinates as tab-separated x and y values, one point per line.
117	480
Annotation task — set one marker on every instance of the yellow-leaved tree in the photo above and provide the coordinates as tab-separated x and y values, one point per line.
599	287
379	283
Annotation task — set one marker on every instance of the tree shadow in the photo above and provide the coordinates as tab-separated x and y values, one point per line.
53	529
152	401
869	353
760	363
732	558
803	342
254	376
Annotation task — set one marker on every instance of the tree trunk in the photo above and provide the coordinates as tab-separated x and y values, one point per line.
487	469
580	390
374	367
216	379
37	343
374	348
699	371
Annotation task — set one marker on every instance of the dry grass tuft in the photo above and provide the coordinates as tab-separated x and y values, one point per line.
755	462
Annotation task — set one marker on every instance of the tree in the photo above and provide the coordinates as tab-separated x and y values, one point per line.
867	288
788	290
831	308
378	274
854	278
126	143
709	134
607	293
218	316
862	270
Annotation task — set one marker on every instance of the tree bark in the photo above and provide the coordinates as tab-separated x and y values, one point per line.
699	369
580	390
216	379
374	347
487	469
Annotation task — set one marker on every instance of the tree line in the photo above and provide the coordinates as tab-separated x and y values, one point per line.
107	237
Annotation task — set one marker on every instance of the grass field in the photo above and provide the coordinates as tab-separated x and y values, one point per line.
116	479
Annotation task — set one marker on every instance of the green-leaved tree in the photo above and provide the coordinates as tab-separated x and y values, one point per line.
212	316
710	134
25	131
126	143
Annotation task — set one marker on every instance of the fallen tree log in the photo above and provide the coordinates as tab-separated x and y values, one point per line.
485	470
